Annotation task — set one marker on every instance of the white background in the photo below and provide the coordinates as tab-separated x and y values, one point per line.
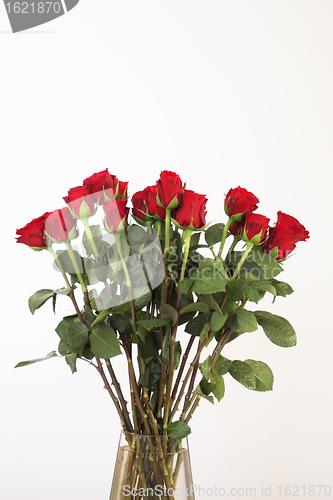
225	94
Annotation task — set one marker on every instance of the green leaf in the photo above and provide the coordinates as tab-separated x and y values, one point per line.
243	373
204	367
214	234
222	365
252	294
150	324
143	297
217	321
168	311
71	361
219	385
185	285
195	325
39	298
283	289
97	239
66	262
148	348
52	354
166	348
104	342
206	387
263	375
263	286
235	289
198	392
207	281
102	315
246	320
62	328
121	323
177	355
179	430
268	265
277	329
204	332
195	306
64	348
77	335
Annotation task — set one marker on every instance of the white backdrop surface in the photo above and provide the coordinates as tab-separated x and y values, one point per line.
225	94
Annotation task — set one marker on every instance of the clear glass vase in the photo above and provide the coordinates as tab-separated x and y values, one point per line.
152	468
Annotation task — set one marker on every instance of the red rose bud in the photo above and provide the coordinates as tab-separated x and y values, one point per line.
116	214
102	186
80	202
106	187
154	210
237	228
238	201
121	191
169	189
192	213
139	202
33	233
284	236
255	228
145	206
60	226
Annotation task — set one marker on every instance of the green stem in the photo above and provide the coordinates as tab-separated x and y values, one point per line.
187	238
77	270
90	237
224	236
57	261
249	245
167	231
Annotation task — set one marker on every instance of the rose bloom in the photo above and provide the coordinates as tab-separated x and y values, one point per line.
60	226
192	212
75	200
33	233
238	201
145	204
106	187
237	228
116	215
284	235
169	189
255	228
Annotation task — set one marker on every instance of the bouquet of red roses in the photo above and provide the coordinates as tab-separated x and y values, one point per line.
159	293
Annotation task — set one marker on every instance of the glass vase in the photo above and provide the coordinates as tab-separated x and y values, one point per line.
152	468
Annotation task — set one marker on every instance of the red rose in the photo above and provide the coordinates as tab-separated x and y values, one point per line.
121	191
33	233
192	212
169	189
255	228
60	226
145	206
237	228
116	214
284	236
238	201
139	202
80	202
105	187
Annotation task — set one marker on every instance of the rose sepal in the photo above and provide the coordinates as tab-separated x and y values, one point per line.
172	205
122	226
73	233
84	211
190	226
